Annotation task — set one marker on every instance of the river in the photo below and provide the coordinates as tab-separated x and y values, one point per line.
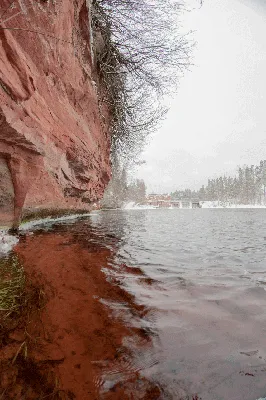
178	312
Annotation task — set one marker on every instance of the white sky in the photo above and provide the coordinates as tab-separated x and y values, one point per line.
217	120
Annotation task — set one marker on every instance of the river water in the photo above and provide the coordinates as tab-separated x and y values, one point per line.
200	276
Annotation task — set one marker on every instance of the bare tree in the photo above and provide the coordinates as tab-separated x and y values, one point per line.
141	58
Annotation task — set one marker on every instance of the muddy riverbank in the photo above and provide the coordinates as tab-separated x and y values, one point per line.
63	346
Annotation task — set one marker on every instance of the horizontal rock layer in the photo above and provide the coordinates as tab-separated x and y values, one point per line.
54	140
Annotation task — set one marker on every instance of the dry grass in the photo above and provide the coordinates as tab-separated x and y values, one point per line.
20	302
19	298
12	287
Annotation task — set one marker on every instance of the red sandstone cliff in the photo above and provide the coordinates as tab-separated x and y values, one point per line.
54	141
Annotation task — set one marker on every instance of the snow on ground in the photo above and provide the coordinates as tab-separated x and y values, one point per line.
7	242
31	224
219	204
131	205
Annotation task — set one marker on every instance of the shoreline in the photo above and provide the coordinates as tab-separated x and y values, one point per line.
90	326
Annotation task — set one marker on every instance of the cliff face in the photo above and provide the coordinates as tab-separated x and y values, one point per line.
54	141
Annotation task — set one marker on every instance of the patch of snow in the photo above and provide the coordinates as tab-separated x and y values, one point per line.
131	205
7	242
219	204
29	225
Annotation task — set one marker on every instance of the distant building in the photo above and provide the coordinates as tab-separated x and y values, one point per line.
154	196
165	201
187	203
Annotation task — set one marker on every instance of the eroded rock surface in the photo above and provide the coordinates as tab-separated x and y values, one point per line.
54	140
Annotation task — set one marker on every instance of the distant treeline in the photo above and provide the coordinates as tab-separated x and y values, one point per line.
122	190
247	187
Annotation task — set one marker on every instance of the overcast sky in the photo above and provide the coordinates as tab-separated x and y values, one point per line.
217	120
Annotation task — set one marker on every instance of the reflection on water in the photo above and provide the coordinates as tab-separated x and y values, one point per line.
156	304
209	299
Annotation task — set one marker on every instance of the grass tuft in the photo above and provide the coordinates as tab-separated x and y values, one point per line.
12	286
